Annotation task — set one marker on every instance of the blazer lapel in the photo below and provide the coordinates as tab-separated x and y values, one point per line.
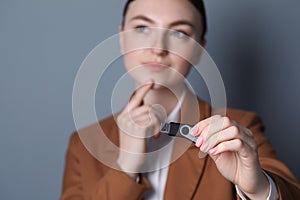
185	173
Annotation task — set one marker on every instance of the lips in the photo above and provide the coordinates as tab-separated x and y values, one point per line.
155	66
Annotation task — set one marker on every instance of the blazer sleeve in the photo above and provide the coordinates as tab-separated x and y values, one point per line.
113	184
287	185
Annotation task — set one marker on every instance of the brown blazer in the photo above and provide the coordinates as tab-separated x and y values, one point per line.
188	177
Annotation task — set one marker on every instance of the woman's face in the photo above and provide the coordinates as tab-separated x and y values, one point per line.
153	29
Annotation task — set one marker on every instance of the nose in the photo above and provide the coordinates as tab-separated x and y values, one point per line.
160	42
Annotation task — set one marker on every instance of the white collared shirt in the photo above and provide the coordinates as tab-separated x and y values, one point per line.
161	162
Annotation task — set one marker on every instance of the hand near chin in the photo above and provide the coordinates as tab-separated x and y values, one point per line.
234	151
135	122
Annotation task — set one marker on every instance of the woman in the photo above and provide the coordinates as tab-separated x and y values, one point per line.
236	160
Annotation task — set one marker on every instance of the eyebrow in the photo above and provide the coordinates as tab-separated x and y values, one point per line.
142	17
182	22
176	23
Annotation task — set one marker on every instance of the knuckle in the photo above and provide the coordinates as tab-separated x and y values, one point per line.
214	119
239	144
221	146
217	116
235	130
220	137
226	121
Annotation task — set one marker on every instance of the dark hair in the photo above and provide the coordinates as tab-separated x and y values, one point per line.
199	5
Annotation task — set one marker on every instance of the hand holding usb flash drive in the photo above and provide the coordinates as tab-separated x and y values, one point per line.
178	130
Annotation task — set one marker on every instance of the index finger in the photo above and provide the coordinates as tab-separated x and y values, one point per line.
139	95
199	127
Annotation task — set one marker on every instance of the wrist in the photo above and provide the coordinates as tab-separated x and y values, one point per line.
128	168
262	191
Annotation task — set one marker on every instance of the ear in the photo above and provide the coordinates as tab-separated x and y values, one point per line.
121	39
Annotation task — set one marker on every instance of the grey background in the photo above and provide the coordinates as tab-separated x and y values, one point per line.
255	44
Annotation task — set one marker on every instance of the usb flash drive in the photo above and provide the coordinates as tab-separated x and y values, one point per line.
178	130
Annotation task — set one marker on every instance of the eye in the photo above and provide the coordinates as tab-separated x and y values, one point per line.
142	29
180	34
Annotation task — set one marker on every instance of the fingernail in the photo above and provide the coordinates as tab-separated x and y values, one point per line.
203	147
150	81
213	151
199	141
